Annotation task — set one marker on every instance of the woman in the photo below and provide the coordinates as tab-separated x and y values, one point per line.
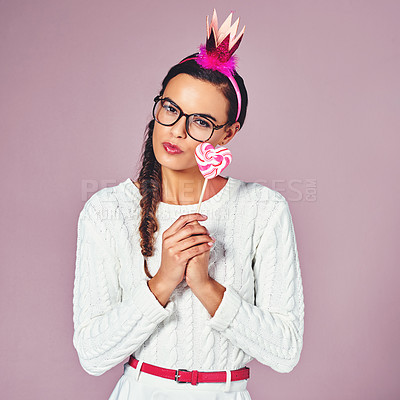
190	298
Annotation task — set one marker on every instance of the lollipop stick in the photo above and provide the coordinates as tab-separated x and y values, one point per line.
202	194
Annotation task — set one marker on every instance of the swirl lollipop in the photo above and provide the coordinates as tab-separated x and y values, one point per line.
211	162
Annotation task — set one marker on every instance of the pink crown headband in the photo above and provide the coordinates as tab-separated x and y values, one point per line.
217	53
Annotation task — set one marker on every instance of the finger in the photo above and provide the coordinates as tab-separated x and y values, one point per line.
189	231
196	250
202	229
192	228
194	241
181	222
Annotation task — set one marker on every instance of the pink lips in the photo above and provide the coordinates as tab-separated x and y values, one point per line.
172	149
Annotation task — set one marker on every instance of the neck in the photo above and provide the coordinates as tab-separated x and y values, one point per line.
184	187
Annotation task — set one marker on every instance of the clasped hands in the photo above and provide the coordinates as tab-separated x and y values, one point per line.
185	255
196	273
205	288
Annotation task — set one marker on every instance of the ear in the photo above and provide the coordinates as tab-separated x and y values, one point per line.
230	132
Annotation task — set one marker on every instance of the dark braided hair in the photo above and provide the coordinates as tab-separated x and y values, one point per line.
150	182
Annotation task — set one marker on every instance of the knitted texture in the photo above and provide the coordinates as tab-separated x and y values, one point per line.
255	257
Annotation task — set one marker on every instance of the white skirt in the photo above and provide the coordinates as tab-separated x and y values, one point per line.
138	385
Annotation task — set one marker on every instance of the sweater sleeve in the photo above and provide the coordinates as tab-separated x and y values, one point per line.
271	330
107	326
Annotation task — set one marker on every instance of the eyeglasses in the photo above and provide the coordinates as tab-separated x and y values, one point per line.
198	126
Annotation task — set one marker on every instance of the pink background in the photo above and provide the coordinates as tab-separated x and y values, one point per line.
77	85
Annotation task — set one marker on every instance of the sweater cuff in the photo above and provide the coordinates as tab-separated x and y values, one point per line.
226	311
148	304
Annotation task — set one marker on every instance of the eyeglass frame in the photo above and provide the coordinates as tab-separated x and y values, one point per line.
181	113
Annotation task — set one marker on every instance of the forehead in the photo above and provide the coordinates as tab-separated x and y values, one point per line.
197	96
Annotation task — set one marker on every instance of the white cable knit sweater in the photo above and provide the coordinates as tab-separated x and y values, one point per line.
255	257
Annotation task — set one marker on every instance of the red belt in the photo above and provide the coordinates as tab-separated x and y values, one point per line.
193	377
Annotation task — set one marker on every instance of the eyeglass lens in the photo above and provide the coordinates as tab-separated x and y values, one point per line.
167	114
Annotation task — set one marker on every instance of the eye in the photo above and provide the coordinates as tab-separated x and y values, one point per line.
169	108
203	123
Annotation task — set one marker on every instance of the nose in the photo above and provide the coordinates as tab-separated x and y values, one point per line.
179	128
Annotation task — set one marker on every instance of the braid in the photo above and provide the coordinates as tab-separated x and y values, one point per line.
151	189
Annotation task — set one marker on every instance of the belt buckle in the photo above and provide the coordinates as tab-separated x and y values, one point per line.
177	375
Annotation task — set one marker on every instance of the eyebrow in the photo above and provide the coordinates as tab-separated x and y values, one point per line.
202	114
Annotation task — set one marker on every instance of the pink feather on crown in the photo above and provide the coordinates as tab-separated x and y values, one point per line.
217	53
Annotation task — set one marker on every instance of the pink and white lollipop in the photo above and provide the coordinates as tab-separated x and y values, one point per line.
212	161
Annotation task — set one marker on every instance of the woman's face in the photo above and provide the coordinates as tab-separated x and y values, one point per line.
192	96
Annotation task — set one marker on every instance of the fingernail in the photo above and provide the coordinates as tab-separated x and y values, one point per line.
204	216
